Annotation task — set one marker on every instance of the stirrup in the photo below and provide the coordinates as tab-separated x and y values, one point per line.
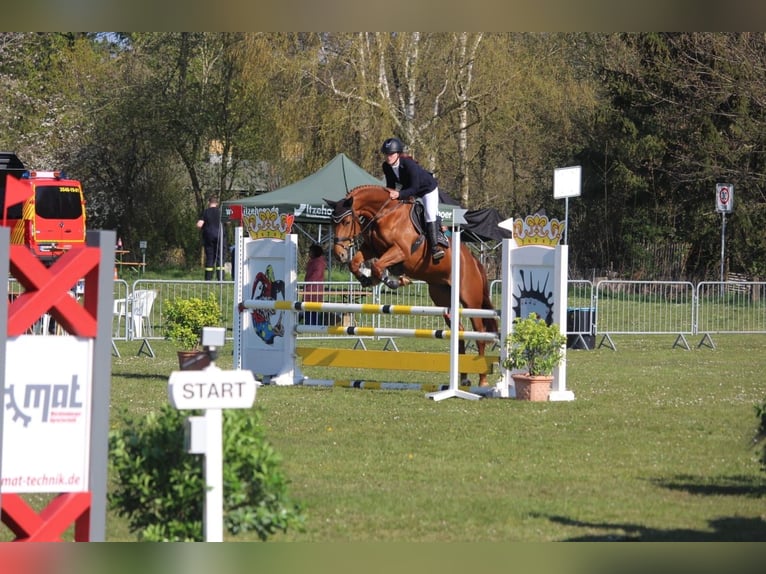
437	255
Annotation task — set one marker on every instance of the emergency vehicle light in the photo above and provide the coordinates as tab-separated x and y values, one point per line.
53	174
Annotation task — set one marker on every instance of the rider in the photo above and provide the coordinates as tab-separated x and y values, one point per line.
412	181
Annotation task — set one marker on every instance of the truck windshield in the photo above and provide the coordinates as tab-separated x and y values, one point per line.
58	202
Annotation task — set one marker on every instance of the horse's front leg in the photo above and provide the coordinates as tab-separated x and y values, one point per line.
380	267
362	270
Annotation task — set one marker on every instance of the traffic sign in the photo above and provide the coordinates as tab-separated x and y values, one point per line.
211	389
724	197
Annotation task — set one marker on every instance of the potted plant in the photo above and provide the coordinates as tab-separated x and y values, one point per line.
533	348
184	320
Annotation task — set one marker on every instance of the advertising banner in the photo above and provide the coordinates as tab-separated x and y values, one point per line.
47	412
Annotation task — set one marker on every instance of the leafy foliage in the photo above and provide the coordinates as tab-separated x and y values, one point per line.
153	121
160	487
185	318
534	346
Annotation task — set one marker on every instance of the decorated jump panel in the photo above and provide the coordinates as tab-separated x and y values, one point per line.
268	273
535	281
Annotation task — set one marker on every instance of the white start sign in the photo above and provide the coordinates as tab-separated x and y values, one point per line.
46	414
211	388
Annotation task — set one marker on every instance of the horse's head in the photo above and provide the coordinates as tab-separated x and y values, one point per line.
345	229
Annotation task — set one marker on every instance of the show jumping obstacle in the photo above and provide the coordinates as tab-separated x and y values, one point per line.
266	329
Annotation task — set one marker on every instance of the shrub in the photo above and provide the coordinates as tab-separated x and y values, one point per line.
534	346
160	487
185	318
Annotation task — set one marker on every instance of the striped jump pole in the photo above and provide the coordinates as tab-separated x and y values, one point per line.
393	332
367	308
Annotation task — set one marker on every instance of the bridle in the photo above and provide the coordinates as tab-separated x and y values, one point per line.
353	243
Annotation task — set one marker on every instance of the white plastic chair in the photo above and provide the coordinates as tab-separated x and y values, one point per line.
120	312
140	312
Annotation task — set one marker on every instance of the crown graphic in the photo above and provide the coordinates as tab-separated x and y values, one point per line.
537	230
263	223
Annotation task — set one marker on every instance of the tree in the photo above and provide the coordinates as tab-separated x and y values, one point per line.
684	115
412	82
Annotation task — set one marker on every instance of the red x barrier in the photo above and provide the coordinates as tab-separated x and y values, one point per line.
47	290
52	522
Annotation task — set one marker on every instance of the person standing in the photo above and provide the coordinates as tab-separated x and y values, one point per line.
315	270
212	238
405	178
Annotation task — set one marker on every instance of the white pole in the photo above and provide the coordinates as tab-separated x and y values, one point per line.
723	243
213	515
213	512
454	368
454	371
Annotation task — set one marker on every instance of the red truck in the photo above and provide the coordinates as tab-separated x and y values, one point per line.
51	220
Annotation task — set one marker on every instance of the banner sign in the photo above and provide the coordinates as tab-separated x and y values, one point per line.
48	413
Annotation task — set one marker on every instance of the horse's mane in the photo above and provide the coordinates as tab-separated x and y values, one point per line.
366	188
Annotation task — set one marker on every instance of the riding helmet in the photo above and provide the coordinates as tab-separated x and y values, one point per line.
392	145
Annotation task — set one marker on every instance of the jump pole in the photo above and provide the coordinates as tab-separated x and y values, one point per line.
367	308
454	373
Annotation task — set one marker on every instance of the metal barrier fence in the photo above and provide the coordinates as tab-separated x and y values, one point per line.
645	308
612	307
730	307
147	319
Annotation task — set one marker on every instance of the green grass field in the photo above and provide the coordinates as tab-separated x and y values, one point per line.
656	446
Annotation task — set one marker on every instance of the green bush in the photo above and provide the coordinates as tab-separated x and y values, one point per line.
160	488
534	346
185	318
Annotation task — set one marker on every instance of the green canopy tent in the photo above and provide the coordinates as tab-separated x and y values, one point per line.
304	199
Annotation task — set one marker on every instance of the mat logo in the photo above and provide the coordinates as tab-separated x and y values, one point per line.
50	402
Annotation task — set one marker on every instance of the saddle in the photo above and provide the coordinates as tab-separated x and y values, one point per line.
418	218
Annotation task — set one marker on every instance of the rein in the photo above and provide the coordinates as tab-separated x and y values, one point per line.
357	240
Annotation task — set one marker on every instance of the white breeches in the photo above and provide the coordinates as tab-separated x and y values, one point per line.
431	205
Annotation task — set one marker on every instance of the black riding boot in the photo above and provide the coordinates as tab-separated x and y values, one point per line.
436	251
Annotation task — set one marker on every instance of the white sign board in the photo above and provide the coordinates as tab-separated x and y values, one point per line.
566	181
535	281
47	411
211	389
265	343
724	197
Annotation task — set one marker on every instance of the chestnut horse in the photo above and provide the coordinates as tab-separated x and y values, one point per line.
374	235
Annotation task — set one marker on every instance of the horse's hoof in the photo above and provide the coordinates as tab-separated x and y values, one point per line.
391	282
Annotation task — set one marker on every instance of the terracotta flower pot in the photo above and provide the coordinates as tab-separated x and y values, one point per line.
193	360
532	388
